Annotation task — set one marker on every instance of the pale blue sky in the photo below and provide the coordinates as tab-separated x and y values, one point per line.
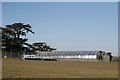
0	14
68	26
59	0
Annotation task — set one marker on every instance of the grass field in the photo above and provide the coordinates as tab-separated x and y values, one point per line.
15	68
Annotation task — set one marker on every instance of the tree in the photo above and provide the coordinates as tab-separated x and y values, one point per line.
13	40
19	29
12	36
42	46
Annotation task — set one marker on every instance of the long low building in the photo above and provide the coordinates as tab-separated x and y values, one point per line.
70	55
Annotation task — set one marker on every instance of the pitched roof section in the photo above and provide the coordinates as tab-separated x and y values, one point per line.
56	53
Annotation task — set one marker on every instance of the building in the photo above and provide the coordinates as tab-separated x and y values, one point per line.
70	55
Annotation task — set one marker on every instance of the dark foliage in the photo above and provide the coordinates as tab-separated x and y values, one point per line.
14	40
12	37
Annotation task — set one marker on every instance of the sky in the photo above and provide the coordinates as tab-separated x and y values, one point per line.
68	25
0	14
59	0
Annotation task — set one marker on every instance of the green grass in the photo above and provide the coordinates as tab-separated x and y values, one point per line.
15	68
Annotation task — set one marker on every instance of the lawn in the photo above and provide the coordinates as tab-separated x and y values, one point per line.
15	68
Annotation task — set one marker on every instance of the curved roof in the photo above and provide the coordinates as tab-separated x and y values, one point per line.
69	53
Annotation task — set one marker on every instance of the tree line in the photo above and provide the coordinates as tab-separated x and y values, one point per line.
14	40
